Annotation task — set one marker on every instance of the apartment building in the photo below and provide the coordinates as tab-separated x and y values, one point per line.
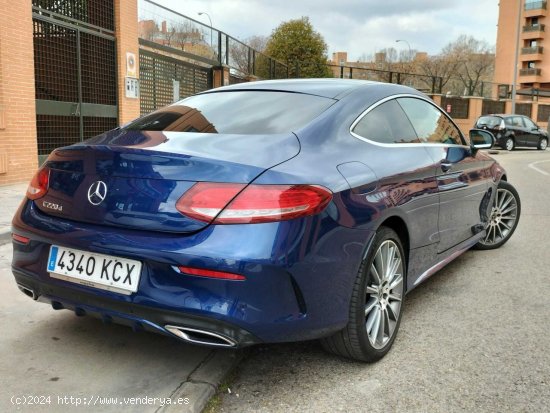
533	52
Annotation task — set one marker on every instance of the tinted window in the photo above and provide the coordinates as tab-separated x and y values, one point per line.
430	124
489	121
514	121
386	124
239	112
529	123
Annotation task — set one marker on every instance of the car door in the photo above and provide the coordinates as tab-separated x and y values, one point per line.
462	178
532	132
522	132
405	179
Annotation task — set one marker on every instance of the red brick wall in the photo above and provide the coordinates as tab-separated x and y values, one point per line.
126	27
18	151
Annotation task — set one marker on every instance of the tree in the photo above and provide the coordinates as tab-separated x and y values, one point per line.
240	55
300	47
186	35
476	62
441	66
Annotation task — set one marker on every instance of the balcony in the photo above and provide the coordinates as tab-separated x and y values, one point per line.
530	75
530	72
531	50
533	28
534	9
535	5
532	32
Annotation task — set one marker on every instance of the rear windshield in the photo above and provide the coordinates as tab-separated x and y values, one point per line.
239	112
489	121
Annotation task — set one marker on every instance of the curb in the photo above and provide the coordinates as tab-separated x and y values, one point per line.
202	384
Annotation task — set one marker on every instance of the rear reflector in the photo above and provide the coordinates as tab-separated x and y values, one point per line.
20	238
231	204
211	273
39	184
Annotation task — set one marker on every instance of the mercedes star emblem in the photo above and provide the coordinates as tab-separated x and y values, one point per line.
97	192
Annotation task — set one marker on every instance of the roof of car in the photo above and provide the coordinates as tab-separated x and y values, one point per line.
330	88
502	115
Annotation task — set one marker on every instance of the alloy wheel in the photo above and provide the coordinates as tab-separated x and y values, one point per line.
509	144
384	294
503	217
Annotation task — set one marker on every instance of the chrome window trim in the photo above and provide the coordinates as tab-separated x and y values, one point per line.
404	145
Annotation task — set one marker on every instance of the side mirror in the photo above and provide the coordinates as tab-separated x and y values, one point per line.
481	139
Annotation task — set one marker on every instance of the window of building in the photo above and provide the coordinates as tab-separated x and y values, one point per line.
430	123
534	21
532	43
531	65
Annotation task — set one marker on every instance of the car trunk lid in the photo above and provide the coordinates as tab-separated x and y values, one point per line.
133	179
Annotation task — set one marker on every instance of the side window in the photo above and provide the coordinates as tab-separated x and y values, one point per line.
386	123
518	122
509	121
430	124
529	124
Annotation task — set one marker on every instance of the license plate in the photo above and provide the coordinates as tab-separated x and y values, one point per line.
116	274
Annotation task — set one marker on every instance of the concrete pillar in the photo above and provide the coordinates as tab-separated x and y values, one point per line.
126	31
18	149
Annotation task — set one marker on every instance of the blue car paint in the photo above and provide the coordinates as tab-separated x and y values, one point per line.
300	273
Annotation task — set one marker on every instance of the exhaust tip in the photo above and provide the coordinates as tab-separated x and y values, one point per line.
197	336
29	292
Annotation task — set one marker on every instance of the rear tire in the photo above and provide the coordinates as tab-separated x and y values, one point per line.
504	218
376	302
543	143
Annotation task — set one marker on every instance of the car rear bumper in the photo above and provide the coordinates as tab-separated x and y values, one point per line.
214	332
299	276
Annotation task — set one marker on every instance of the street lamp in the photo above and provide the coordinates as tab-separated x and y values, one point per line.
210	20
408	44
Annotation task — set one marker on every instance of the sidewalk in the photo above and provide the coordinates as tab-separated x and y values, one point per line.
10	198
187	371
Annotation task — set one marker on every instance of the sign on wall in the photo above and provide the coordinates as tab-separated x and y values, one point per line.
131	65
131	87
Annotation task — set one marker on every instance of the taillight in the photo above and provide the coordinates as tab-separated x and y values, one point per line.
231	204
39	184
20	238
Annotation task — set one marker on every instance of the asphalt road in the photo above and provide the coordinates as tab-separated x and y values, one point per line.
474	337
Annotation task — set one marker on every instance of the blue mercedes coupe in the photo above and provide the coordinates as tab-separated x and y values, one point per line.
263	212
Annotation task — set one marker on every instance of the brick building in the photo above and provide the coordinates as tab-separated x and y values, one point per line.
62	76
533	53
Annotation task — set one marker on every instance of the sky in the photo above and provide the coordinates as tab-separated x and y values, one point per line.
359	27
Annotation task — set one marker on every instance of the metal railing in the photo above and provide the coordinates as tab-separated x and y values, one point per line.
534	5
530	72
170	29
531	50
533	28
426	83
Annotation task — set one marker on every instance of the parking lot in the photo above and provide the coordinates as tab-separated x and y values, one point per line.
474	337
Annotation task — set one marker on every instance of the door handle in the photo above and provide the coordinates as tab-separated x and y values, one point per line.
445	166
